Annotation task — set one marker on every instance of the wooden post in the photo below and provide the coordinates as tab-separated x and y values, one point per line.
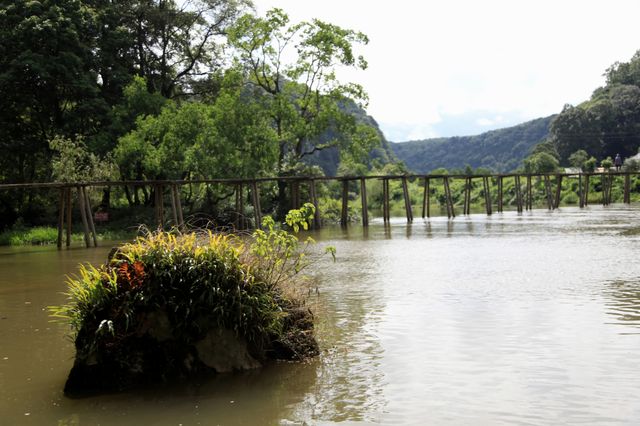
295	195
61	217
466	208
518	186
425	195
255	198
547	186
83	215
68	213
627	189
92	226
612	178
344	217
178	191
580	192
314	201
407	200
363	202
447	196
558	190
500	206
586	190
159	205
174	209
529	197
603	187
426	202
487	194
239	207
385	200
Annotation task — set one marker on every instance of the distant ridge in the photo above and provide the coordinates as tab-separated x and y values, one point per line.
501	150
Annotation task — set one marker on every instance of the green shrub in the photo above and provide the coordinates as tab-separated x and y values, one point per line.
144	314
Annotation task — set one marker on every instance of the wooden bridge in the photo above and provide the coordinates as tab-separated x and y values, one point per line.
523	195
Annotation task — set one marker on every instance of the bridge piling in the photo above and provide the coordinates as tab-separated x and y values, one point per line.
92	226
363	202
344	217
558	190
425	198
627	189
407	200
314	201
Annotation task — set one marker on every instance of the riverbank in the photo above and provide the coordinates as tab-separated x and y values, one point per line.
48	235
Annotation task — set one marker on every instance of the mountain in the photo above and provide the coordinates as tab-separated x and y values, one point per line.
501	150
329	159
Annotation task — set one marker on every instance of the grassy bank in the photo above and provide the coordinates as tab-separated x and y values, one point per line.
44	235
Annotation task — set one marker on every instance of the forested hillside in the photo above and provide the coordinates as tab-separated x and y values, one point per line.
609	122
500	150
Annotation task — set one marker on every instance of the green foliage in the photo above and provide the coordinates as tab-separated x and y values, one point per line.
197	281
631	165
578	158
305	99
590	165
229	138
72	162
609	122
607	163
499	150
541	162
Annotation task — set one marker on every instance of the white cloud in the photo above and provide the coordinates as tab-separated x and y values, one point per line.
435	59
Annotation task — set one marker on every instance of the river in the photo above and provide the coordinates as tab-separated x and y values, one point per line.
530	319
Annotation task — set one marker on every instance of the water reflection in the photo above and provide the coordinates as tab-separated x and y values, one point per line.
623	303
350	381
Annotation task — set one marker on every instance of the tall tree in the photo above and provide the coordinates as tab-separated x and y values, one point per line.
293	71
47	84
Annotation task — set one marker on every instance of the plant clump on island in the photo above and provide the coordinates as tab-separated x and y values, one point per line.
176	305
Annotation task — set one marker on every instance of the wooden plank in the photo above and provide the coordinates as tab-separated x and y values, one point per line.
363	202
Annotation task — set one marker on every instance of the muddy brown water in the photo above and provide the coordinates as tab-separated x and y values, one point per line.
529	319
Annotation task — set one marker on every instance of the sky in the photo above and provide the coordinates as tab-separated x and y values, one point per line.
462	67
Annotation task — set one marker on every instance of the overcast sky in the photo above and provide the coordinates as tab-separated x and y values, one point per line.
459	67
